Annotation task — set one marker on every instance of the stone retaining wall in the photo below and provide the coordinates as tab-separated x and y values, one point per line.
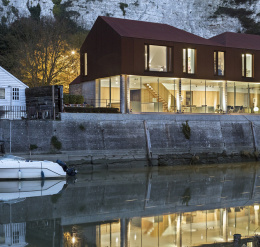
122	136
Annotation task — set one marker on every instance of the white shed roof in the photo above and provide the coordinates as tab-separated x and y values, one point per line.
7	79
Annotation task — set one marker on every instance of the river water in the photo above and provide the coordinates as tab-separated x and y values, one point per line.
158	206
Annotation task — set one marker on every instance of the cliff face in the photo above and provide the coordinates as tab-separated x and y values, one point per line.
194	16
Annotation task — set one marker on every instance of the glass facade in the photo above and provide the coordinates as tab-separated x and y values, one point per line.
175	95
109	92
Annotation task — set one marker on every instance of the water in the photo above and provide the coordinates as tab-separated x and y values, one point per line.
190	206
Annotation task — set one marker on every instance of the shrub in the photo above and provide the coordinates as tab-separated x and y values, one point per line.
122	6
15	11
56	2
66	98
35	12
5	2
56	143
82	127
33	147
186	130
73	99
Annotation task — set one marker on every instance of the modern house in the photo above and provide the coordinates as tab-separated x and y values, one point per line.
12	96
150	67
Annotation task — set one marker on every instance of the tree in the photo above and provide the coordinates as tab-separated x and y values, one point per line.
42	53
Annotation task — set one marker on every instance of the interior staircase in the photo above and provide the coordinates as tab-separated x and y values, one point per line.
155	95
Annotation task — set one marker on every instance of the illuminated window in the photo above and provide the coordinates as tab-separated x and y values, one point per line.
15	93
189	61
86	63
2	93
158	58
247	65
219	63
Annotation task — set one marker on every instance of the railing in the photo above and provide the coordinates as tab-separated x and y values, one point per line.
12	112
107	103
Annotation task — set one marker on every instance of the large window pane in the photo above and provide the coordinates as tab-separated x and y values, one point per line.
146	57
249	63
191	61
115	92
167	94
221	63
198	103
254	98
104	92
135	93
241	97
184	61
158	58
215	97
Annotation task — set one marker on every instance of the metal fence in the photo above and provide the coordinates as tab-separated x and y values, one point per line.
98	103
12	112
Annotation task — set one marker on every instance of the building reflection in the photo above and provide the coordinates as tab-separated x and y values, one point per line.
179	229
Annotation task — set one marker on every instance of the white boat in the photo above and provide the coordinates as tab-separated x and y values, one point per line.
13	190
13	167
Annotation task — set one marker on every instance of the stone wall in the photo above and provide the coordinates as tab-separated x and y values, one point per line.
122	136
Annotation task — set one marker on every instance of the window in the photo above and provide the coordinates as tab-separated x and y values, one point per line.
158	58
189	61
219	63
15	93
86	64
247	65
2	93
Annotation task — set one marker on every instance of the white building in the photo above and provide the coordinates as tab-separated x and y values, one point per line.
12	96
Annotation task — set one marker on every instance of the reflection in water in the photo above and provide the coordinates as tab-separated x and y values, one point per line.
180	229
166	207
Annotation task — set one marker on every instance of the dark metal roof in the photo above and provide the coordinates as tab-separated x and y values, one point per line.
154	31
238	40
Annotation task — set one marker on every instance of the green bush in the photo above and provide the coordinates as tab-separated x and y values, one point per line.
35	12
73	99
5	2
186	130
56	143
122	6
15	11
66	99
56	2
33	147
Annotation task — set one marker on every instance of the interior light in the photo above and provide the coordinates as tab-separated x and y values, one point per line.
73	240
256	109
256	207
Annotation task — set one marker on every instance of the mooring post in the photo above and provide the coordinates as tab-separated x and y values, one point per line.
148	143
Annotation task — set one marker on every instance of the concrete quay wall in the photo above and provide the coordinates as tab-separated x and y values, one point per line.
128	136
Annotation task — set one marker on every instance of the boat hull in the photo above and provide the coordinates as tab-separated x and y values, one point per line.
21	169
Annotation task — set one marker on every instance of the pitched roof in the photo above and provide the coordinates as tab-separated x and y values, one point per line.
155	31
238	40
8	78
